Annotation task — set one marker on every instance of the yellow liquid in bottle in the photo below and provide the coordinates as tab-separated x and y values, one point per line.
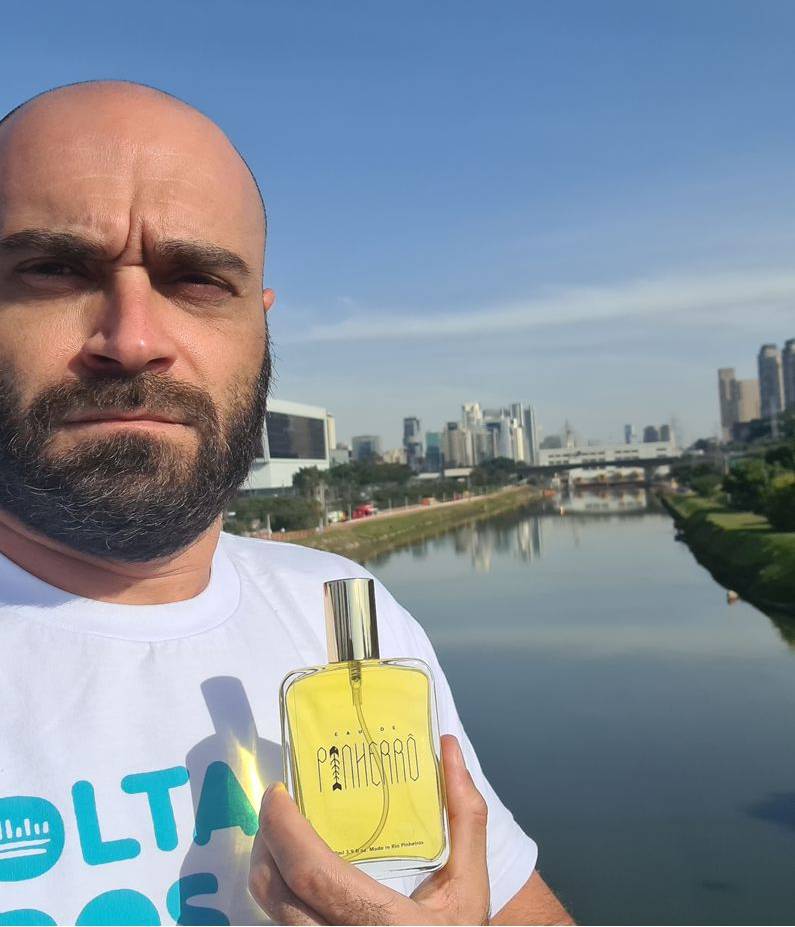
363	765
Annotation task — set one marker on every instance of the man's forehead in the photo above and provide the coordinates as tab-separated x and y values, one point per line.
100	170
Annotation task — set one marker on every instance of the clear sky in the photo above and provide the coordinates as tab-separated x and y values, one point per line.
584	205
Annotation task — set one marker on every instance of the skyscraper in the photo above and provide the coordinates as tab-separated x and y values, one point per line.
650	434
665	432
471	415
530	434
412	442
770	383
788	373
745	400
433	451
366	447
727	419
629	434
457	445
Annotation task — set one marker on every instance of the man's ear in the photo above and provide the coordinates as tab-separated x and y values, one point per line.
268	297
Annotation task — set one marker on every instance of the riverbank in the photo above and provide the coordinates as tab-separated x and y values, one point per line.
740	550
367	537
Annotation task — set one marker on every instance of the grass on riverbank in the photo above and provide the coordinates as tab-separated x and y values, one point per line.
371	537
740	549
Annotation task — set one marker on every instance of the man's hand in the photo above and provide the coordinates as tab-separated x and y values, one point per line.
297	879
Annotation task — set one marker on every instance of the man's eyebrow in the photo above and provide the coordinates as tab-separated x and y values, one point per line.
196	255
64	244
201	255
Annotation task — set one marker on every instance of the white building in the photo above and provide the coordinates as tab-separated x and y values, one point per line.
606	454
295	436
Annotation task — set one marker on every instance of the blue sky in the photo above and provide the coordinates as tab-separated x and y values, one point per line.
584	205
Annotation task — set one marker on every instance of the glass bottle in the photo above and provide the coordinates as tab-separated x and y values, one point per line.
361	745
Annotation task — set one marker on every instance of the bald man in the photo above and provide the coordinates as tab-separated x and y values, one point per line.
141	647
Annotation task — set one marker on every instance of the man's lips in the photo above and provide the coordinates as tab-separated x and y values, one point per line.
112	417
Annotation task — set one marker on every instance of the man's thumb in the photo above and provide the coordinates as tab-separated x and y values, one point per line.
468	814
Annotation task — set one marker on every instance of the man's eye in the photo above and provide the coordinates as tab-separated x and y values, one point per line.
202	280
50	269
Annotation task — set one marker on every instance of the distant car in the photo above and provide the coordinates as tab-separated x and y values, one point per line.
364	510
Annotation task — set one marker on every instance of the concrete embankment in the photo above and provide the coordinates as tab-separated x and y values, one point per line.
740	550
368	537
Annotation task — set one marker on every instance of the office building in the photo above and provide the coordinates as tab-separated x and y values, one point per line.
530	434
727	418
745	401
341	454
366	447
739	402
412	443
650	434
770	381
294	436
394	456
457	445
433	451
471	415
788	373
512	435
331	433
665	433
608	454
629	434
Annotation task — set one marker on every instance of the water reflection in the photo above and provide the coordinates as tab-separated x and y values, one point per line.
605	502
517	535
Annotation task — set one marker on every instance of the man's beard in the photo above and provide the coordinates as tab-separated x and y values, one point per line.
130	494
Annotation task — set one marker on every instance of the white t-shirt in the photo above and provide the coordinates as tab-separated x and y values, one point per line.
136	740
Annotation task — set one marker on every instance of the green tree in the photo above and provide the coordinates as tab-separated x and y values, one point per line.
782	456
289	512
780	503
307	480
747	484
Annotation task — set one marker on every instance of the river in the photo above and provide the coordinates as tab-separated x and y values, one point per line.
637	725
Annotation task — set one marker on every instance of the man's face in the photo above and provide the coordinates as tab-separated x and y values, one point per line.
131	242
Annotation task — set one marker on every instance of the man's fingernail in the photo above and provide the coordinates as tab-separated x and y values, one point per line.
274	787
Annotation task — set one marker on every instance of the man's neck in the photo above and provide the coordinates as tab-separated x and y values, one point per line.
182	576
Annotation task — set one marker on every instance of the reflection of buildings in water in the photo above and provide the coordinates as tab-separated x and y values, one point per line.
528	538
462	539
607	502
482	548
523	539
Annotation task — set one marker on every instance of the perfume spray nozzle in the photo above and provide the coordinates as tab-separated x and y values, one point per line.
351	627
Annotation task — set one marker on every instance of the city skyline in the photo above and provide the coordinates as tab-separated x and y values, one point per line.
522	444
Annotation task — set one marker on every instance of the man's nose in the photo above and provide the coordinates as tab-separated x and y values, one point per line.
130	329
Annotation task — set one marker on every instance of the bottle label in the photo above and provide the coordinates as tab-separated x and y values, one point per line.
365	770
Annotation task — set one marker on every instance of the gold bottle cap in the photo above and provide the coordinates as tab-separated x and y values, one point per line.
351	627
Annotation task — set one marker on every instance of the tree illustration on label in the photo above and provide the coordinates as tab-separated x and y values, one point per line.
334	753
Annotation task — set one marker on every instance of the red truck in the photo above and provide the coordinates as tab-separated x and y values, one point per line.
364	510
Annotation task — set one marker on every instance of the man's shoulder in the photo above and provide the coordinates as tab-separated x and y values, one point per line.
300	571
284	558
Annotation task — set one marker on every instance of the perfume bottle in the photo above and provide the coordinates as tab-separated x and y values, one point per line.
361	745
